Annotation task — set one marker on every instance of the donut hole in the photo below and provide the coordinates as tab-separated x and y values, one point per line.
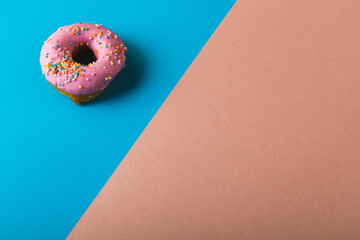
83	55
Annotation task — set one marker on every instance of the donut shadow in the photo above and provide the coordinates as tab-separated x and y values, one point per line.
129	77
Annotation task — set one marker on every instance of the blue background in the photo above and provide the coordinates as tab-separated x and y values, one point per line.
56	156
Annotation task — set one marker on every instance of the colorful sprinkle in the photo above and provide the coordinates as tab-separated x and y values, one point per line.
67	70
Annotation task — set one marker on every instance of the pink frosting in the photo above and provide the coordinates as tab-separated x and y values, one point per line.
61	71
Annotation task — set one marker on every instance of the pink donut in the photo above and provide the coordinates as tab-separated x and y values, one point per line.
80	60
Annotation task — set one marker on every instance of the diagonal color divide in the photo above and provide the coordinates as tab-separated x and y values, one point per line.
55	156
259	140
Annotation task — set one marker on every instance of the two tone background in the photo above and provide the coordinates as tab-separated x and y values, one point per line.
232	120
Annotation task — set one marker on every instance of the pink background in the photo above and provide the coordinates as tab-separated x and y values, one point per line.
259	140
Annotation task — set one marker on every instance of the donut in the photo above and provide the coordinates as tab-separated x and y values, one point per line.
80	60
